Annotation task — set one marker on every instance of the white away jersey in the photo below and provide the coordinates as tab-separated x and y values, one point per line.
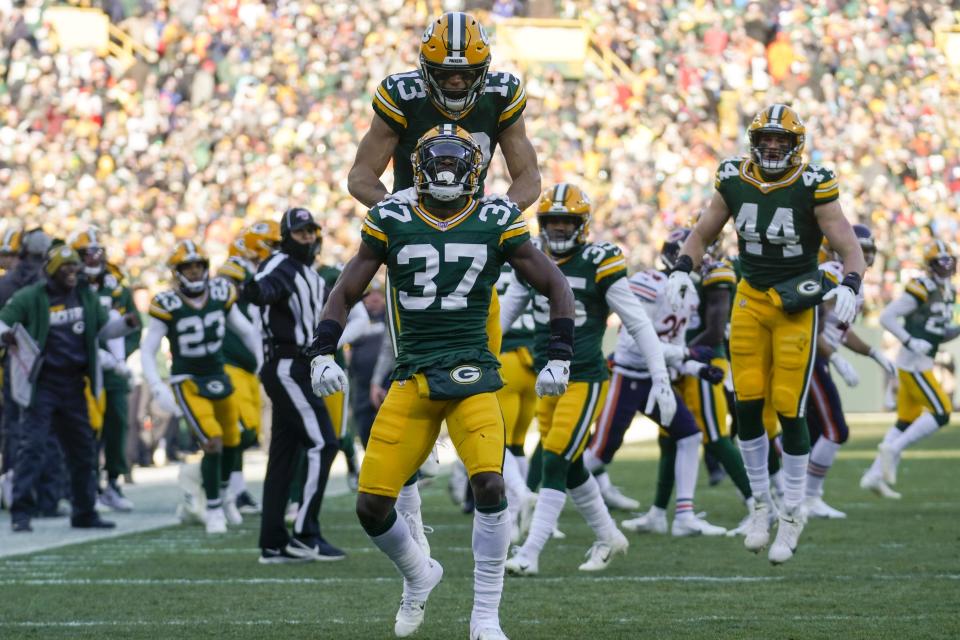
831	329
671	326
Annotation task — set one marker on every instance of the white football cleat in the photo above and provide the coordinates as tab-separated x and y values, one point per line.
492	632
557	534
817	508
520	564
410	615
653	521
232	513
114	499
740	529
601	553
888	463
216	521
417	530
757	534
788	536
875	483
691	525
616	500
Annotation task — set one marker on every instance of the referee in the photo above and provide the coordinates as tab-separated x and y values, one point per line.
289	294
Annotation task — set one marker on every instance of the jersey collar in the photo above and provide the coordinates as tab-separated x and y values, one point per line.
751	175
448	223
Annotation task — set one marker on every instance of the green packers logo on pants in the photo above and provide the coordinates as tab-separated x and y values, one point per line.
466	374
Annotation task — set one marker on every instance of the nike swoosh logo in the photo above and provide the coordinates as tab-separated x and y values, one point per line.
606	557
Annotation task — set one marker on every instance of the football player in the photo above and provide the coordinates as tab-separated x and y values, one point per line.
926	308
253	245
106	281
828	425
597	275
630	386
443	258
9	249
781	207
194	316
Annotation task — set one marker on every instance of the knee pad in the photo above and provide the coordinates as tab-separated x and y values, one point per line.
785	400
555	469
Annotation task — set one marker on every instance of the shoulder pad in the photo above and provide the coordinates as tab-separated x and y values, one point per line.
222	290
647	284
164	304
728	168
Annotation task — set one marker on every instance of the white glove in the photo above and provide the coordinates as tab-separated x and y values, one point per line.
883	361
553	378
845	307
164	399
679	285
502	197
404	196
845	369
121	369
919	346
661	395
108	362
326	376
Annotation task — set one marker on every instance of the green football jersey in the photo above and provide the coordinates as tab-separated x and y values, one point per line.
402	101
589	271
235	353
114	295
520	334
440	278
714	276
777	231
196	334
934	313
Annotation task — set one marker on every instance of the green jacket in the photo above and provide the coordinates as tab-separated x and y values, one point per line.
30	307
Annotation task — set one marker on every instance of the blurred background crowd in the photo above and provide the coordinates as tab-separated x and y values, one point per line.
244	108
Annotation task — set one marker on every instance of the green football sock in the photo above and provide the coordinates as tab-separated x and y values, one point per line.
229	463
724	450
210	474
535	474
577	474
796	436
665	477
555	469
749	419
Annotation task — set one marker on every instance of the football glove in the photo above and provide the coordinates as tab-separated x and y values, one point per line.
845	307
845	369
326	376
919	346
553	378
164	399
700	353
408	196
712	374
661	396
679	285
883	361
501	197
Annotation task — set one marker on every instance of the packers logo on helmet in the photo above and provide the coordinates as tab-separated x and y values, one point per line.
446	163
88	246
940	260
766	151
10	242
454	58
186	252
261	239
566	203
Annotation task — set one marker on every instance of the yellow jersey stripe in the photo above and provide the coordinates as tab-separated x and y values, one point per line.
520	224
386	110
376	233
917	290
160	313
610	260
386	97
824	195
367	221
720	277
828	185
515	106
610	271
506	235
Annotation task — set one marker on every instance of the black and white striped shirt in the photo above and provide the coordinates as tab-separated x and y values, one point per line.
290	299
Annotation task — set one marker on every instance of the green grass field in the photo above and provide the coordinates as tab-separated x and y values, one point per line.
892	570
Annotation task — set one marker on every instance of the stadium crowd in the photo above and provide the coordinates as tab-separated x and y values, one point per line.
253	107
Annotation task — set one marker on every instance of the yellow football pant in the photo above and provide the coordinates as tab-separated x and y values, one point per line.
518	397
771	351
208	418
707	402
919	391
407	426
246	395
565	420
337	408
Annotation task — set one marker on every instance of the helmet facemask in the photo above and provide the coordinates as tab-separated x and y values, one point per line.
93	261
192	288
775	157
943	268
446	169
557	240
454	101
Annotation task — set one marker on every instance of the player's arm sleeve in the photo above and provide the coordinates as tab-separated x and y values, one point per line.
514	301
637	323
612	269
373	235
515	233
149	348
514	104
827	188
387	105
238	323
357	322
891	314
